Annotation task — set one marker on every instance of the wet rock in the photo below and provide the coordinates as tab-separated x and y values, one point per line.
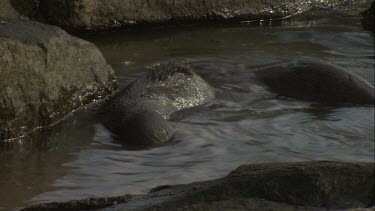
45	74
94	15
318	185
318	82
85	204
368	18
80	15
252	204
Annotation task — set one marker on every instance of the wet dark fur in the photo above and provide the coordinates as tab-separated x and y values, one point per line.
317	82
138	114
162	73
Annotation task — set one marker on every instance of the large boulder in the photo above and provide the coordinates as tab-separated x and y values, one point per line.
45	74
318	185
107	14
82	15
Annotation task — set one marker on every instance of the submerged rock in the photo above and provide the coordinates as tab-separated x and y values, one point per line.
318	82
138	114
317	185
45	74
101	14
85	204
368	18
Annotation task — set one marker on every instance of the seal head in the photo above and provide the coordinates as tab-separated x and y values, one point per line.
138	115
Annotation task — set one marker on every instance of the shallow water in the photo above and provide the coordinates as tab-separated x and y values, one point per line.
244	124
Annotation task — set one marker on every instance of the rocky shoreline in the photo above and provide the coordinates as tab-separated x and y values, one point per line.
99	15
67	69
83	15
47	73
316	185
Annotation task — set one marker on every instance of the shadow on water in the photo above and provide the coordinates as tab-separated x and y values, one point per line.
244	124
30	165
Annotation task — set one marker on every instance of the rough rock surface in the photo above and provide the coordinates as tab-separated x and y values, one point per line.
108	14
318	185
45	74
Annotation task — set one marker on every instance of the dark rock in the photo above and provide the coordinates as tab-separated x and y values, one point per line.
19	9
252	204
45	74
138	114
27	8
332	185
101	14
368	18
318	185
85	204
80	15
318	82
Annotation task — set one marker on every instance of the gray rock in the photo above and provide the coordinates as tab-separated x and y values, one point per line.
317	185
108	14
45	74
82	15
251	204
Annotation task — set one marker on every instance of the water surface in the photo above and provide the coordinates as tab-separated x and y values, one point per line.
244	124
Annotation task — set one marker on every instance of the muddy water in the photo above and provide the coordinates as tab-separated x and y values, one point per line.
244	124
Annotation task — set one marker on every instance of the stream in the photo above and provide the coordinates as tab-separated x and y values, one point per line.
244	124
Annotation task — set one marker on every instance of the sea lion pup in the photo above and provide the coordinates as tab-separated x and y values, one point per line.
318	82
137	115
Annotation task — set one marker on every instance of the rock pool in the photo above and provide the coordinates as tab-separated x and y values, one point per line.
245	123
